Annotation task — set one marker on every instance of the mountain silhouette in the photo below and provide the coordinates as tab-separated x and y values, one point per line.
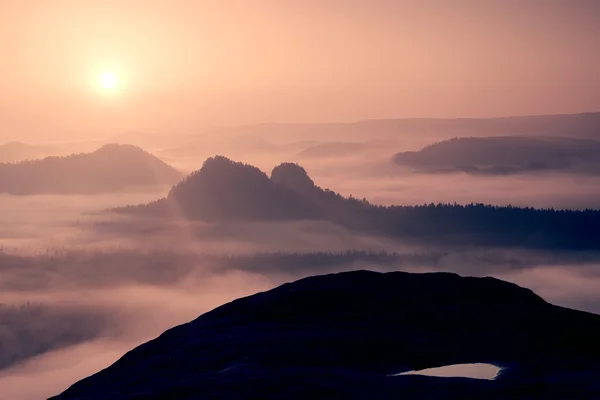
294	177
112	167
345	336
17	151
226	190
505	155
350	212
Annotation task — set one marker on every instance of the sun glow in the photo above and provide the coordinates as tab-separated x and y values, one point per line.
108	82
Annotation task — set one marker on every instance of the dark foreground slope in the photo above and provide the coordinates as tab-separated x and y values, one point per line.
343	335
504	155
111	168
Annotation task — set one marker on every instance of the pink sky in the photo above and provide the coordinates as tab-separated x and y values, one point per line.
184	64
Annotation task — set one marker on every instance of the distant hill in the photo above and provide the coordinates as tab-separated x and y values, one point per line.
341	139
344	336
332	149
17	151
584	125
112	167
225	190
243	145
505	155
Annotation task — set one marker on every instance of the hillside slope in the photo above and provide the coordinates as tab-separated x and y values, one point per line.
505	155
111	168
343	335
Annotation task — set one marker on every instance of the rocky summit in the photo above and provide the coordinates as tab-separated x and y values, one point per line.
346	335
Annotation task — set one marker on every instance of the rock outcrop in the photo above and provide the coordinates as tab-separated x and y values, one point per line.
345	335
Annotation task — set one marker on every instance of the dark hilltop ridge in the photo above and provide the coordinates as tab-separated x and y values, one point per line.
223	190
227	190
505	155
345	335
111	168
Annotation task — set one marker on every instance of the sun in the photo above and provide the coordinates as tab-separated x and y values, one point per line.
108	81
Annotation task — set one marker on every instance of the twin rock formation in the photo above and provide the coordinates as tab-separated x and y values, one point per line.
224	190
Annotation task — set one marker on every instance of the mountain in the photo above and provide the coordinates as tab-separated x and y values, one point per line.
112	167
346	335
505	155
331	206
583	125
225	190
16	151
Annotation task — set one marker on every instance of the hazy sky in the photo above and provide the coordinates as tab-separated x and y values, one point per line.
182	64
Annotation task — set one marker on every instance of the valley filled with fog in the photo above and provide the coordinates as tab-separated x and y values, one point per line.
296	199
87	275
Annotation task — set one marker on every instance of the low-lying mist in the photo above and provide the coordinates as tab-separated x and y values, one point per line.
79	287
69	314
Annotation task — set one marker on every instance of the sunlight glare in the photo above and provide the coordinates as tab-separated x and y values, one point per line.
108	81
